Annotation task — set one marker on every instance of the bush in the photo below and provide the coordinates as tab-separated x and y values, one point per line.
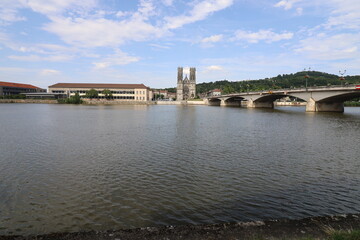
17	96
71	100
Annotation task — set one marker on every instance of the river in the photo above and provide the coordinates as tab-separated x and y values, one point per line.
79	167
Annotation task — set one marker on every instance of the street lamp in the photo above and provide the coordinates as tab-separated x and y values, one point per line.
342	76
306	78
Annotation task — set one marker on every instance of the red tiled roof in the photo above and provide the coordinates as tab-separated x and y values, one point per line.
17	85
96	85
216	90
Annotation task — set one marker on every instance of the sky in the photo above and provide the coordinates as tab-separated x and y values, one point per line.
43	42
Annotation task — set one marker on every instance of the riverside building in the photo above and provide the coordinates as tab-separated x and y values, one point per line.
9	88
120	92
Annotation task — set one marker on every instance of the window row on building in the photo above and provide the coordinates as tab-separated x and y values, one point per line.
114	97
138	92
99	92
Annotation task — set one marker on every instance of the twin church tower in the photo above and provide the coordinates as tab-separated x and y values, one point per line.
186	88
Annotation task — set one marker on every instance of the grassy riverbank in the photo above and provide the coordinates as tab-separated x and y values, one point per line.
352	104
345	227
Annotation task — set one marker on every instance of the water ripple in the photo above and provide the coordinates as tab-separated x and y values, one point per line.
110	167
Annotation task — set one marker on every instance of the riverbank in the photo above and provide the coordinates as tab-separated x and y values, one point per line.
40	101
104	102
290	103
308	228
112	102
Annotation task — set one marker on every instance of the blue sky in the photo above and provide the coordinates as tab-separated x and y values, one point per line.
43	42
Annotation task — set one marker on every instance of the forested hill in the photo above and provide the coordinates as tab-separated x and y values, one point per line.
281	81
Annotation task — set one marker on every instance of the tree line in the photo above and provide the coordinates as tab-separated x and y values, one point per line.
92	93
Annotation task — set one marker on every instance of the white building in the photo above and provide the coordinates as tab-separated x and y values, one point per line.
119	92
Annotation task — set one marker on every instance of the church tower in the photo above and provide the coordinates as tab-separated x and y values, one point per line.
180	86
186	88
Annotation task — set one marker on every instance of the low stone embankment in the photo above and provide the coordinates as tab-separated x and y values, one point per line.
105	102
46	101
290	103
307	228
180	102
115	102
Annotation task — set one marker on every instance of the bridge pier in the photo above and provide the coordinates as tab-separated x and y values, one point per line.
313	106
213	103
230	103
255	104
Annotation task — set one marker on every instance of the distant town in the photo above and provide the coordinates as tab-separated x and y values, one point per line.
186	88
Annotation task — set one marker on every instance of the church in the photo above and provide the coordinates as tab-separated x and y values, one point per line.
186	88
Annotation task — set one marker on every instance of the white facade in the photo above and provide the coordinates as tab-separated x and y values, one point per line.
120	92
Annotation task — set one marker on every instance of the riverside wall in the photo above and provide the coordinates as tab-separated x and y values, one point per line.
42	101
104	101
290	103
180	102
114	102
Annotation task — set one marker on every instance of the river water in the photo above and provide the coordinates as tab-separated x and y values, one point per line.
72	168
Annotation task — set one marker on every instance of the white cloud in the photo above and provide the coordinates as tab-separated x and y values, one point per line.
336	47
168	2
345	14
119	58
101	32
199	12
262	35
47	72
159	46
299	11
55	7
83	24
9	12
37	58
3	37
121	14
339	13
8	15
212	39
286	4
214	68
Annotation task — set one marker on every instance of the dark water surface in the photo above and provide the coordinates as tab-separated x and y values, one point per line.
71	168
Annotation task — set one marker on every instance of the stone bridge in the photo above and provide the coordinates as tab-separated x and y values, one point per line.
318	99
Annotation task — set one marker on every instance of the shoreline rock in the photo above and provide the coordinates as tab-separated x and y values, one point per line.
314	227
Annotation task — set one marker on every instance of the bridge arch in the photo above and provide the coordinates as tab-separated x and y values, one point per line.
274	97
232	101
214	101
267	100
341	97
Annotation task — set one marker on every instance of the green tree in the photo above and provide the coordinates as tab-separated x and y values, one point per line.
92	93
107	93
228	89
159	96
74	99
77	99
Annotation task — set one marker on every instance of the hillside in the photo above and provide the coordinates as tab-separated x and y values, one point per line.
281	81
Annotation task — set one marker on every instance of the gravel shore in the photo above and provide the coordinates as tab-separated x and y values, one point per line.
314	227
